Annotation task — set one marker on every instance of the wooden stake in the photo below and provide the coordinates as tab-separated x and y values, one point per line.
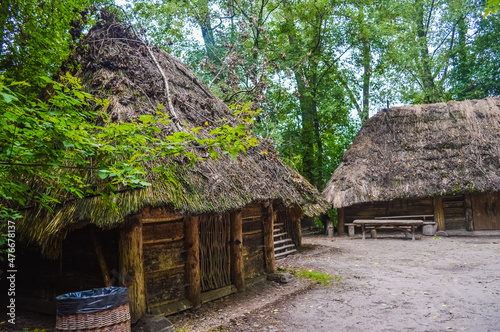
298	231
237	266
269	239
192	243
469	217
100	257
341	221
131	266
439	213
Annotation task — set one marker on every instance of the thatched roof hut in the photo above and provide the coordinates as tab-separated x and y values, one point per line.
161	233
407	153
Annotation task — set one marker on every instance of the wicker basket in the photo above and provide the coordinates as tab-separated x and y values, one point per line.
111	320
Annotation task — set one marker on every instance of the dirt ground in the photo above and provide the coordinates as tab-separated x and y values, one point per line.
386	284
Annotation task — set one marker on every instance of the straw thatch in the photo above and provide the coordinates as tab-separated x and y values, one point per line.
421	151
117	65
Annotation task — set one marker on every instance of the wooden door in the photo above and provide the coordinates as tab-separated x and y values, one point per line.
214	252
486	210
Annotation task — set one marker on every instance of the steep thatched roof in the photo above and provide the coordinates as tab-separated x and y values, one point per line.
421	151
115	64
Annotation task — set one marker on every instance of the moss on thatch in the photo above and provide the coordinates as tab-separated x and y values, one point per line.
421	151
115	64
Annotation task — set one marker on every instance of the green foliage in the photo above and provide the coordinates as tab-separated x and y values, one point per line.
492	6
37	36
333	215
476	74
317	277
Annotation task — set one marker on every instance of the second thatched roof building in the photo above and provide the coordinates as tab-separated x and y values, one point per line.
441	159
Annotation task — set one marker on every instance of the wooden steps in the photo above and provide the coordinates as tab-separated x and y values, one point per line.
283	245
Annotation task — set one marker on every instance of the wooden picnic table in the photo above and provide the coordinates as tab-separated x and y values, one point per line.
404	225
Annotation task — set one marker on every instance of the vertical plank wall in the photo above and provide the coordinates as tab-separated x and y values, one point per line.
453	207
164	256
253	240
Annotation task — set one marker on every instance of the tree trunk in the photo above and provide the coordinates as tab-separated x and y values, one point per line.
431	94
366	80
366	62
463	68
309	117
204	21
311	145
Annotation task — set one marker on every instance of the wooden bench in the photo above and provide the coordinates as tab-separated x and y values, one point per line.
405	225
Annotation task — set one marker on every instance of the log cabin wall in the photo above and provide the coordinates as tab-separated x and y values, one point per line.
454	212
453	207
253	240
164	256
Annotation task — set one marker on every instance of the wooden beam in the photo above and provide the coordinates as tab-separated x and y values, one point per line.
269	239
131	266
192	242
237	266
341	221
469	216
439	213
298	231
100	257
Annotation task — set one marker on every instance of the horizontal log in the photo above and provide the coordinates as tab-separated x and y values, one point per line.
259	231
251	210
165	241
252	218
179	269
165	288
170	307
162	219
163	230
217	293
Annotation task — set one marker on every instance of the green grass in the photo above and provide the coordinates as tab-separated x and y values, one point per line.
318	277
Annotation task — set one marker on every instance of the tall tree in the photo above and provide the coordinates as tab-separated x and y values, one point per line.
476	70
37	35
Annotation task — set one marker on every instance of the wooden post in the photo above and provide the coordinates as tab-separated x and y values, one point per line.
269	239
100	257
341	221
131	264
329	228
469	217
192	243
439	213
298	231
237	266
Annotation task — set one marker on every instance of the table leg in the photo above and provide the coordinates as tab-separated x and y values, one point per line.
413	233
364	230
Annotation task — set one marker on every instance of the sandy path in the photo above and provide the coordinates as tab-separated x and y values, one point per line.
391	284
387	284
